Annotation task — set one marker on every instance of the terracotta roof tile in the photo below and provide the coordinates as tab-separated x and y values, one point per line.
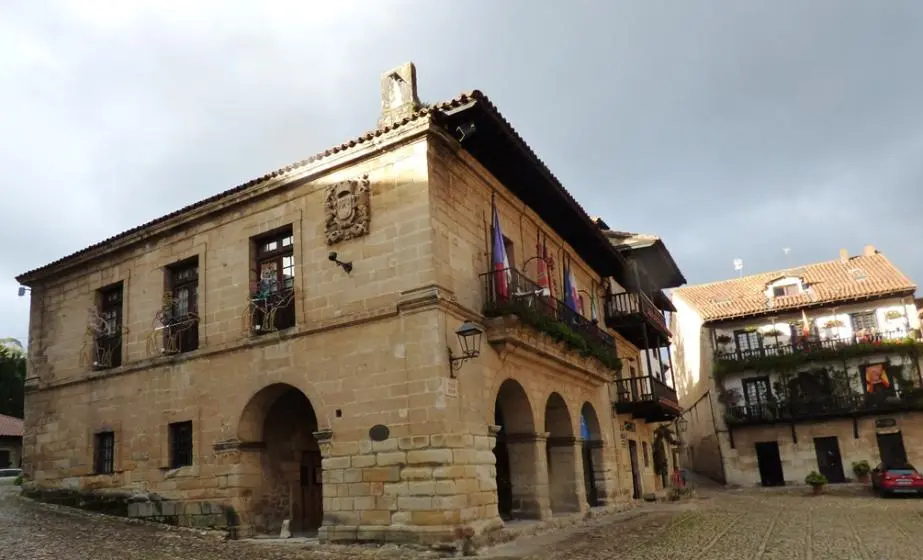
10	426
826	282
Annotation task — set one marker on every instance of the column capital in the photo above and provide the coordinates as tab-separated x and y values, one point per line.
527	437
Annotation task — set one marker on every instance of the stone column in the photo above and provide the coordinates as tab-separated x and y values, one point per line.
603	478
529	475
565	474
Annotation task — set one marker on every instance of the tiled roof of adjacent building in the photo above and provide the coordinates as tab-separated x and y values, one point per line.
10	426
433	111
867	276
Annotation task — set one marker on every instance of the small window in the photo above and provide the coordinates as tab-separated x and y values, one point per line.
864	321
108	343
104	453
644	452
180	444
787	290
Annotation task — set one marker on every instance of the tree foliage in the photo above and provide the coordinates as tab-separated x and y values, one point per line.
12	380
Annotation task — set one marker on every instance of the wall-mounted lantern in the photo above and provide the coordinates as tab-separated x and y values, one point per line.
23	289
347	266
681	424
469	340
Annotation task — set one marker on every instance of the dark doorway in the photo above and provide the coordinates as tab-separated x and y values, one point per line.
829	461
589	477
635	471
891	449
312	491
770	463
504	480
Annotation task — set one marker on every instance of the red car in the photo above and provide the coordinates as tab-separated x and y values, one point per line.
897	479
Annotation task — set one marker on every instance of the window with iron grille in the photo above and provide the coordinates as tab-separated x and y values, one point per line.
180	444
275	286
864	321
104	453
108	343
182	324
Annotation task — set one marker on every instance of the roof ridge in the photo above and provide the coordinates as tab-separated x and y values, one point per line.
781	271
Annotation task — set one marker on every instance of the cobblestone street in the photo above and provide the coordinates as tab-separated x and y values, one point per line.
719	524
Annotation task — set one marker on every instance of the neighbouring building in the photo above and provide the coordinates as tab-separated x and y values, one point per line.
307	346
799	370
10	441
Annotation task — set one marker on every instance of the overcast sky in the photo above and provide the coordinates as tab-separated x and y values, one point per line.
732	129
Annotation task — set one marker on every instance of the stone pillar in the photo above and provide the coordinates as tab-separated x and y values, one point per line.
243	481
529	475
565	475
606	485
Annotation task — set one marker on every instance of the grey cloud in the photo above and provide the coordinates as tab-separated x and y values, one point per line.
732	129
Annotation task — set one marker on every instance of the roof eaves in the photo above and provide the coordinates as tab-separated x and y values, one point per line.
101	247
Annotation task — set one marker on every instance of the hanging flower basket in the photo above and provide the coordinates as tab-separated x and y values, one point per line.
893	315
833	324
772	333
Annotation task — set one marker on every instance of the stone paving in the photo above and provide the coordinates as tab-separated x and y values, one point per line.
846	524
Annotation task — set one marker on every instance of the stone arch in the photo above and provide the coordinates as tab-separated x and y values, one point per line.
594	473
517	453
280	451
564	470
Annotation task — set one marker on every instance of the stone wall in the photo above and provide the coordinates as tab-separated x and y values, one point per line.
799	458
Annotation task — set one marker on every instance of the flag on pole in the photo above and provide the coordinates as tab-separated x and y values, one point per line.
500	262
543	280
571	294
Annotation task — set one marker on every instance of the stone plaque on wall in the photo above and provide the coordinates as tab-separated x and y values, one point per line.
347	210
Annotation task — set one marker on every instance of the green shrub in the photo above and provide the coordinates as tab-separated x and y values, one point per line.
814	478
861	468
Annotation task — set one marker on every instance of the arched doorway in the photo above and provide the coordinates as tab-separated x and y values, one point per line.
515	452
279	422
593	472
562	456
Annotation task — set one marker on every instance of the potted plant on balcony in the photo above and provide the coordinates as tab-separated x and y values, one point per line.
861	469
833	324
723	340
817	482
893	315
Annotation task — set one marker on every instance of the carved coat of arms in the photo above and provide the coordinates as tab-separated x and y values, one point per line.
347	210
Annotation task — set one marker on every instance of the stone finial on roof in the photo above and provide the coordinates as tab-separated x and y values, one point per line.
398	94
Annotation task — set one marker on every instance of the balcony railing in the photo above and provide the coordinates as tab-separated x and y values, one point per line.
511	292
872	343
824	406
270	311
629	305
107	351
645	396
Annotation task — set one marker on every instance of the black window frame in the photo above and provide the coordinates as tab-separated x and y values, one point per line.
181	333
278	249
108	344
181	444
751	335
856	318
104	452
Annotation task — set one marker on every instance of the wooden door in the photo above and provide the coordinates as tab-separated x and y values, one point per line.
312	495
829	461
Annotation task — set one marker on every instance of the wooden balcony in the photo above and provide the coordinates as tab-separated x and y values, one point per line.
824	406
646	397
769	355
636	318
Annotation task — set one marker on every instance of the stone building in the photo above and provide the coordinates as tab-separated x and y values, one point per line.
333	344
799	370
10	441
